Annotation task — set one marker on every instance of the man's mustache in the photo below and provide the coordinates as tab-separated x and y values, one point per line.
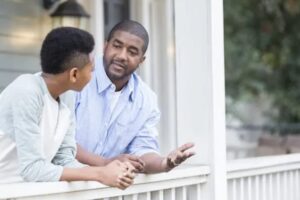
119	63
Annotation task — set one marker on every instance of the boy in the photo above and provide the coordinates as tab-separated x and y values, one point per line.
36	117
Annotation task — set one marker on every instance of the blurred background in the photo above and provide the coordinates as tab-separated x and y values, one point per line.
262	77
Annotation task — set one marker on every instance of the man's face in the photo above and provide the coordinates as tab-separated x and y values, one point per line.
122	55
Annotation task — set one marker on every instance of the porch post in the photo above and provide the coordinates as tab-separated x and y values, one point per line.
96	22
200	87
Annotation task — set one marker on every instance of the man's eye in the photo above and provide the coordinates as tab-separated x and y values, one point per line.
117	46
133	53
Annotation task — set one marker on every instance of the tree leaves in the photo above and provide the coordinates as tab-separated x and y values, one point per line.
262	53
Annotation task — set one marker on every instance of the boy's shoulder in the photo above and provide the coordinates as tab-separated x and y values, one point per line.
27	82
24	85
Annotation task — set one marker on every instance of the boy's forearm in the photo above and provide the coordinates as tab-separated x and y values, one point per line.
80	174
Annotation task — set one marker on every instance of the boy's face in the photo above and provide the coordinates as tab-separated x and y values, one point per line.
84	74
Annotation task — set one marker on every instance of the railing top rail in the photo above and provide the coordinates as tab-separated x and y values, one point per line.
262	162
26	189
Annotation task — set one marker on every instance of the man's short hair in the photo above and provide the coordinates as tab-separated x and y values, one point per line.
131	27
65	48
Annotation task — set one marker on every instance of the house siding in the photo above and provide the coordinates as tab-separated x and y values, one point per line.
23	24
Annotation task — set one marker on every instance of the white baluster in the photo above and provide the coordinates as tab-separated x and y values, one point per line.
297	190
271	186
242	189
184	193
135	197
199	191
249	188
292	185
173	194
148	195
257	187
264	187
278	186
234	189
161	195
285	187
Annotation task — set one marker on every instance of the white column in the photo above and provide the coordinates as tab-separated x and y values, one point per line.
158	70
96	22
200	86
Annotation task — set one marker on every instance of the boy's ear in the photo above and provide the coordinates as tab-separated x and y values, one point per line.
73	74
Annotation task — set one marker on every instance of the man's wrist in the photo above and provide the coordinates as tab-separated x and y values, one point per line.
164	165
107	160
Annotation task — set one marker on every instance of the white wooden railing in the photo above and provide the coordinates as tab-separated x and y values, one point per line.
264	178
184	183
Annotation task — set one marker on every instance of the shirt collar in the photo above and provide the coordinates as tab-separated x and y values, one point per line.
103	82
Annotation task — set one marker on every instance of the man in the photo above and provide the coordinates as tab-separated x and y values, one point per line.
117	112
37	133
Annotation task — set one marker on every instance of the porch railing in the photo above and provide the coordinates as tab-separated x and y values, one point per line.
264	178
184	183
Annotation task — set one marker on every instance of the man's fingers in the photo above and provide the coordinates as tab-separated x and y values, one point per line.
188	154
136	166
179	156
186	146
136	159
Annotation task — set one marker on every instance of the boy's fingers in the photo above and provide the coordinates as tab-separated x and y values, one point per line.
126	180
123	185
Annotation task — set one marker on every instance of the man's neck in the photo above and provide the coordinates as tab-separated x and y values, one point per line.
120	84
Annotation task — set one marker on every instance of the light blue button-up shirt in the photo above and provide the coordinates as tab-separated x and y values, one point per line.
129	128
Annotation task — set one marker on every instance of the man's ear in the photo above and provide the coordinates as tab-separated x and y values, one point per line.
143	59
73	74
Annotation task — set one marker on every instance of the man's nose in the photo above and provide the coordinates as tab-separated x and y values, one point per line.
122	55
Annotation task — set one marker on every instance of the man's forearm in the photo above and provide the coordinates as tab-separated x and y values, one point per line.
88	158
154	163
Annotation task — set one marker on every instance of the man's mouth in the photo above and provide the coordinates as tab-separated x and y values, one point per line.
118	65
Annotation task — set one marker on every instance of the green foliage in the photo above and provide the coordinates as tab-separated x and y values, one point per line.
262	53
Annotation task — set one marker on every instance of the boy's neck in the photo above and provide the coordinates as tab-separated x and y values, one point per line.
54	84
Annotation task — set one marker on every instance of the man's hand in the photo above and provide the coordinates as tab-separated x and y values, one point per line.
118	174
135	161
178	156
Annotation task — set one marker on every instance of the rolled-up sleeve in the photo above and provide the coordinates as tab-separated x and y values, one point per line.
146	139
